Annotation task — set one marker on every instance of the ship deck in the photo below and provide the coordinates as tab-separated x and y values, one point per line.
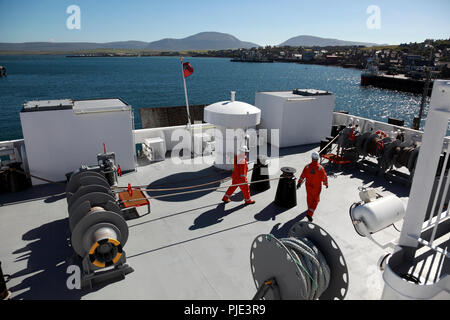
190	246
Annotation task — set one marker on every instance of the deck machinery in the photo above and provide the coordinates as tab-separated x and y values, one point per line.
97	222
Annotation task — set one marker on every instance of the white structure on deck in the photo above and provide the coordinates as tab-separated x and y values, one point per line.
62	135
230	115
421	230
304	117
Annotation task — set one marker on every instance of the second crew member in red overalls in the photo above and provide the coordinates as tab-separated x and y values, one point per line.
315	175
239	176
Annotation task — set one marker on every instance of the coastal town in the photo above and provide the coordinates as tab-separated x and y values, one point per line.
411	59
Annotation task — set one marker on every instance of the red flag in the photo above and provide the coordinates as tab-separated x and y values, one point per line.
187	69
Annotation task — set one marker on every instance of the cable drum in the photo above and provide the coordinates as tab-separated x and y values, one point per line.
316	272
404	155
361	141
306	264
388	154
370	144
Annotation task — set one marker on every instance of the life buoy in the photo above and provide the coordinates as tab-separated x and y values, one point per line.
380	145
381	134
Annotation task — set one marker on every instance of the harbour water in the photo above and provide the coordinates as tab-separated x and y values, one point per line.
146	82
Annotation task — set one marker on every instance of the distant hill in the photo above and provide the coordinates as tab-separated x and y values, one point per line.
201	41
70	46
311	41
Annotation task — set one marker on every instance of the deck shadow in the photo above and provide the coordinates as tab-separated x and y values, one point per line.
187	179
270	212
282	232
213	216
295	149
48	254
47	192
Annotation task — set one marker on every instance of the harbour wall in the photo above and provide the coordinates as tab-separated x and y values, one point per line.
396	83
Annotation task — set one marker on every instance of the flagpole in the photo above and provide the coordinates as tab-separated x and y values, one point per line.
187	106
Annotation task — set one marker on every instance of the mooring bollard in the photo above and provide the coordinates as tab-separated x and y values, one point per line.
260	172
286	195
4	293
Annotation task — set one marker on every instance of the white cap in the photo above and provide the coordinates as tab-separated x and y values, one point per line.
243	149
315	156
351	120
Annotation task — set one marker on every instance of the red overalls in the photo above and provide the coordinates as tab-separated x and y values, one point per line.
315	175
239	176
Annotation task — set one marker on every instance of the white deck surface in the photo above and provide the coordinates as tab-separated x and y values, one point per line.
188	247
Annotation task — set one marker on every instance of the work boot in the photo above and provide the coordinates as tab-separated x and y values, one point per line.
250	202
310	219
226	199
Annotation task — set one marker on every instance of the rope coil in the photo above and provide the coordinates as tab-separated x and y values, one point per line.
315	275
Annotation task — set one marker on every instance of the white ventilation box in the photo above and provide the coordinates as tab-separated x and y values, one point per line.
155	149
62	135
304	117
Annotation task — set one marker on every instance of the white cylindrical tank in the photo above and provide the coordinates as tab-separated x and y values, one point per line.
235	115
378	214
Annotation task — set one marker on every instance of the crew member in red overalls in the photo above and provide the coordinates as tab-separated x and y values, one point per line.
239	176
315	175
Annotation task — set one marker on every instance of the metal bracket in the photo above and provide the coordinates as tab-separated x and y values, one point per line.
92	277
270	284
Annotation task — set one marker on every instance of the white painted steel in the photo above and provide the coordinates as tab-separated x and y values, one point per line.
227	143
379	214
299	119
60	141
427	162
414	222
171	134
232	114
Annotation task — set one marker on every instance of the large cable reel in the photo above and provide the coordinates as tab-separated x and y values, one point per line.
86	190
85	178
93	219
307	265
99	230
100	235
388	153
360	142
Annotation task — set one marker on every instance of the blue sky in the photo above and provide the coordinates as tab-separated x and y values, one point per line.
265	22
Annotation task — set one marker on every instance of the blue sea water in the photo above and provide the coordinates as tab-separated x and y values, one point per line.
146	82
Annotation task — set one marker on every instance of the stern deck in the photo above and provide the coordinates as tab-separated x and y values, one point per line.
189	246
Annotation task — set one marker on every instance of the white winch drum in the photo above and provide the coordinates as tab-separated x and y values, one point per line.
378	214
